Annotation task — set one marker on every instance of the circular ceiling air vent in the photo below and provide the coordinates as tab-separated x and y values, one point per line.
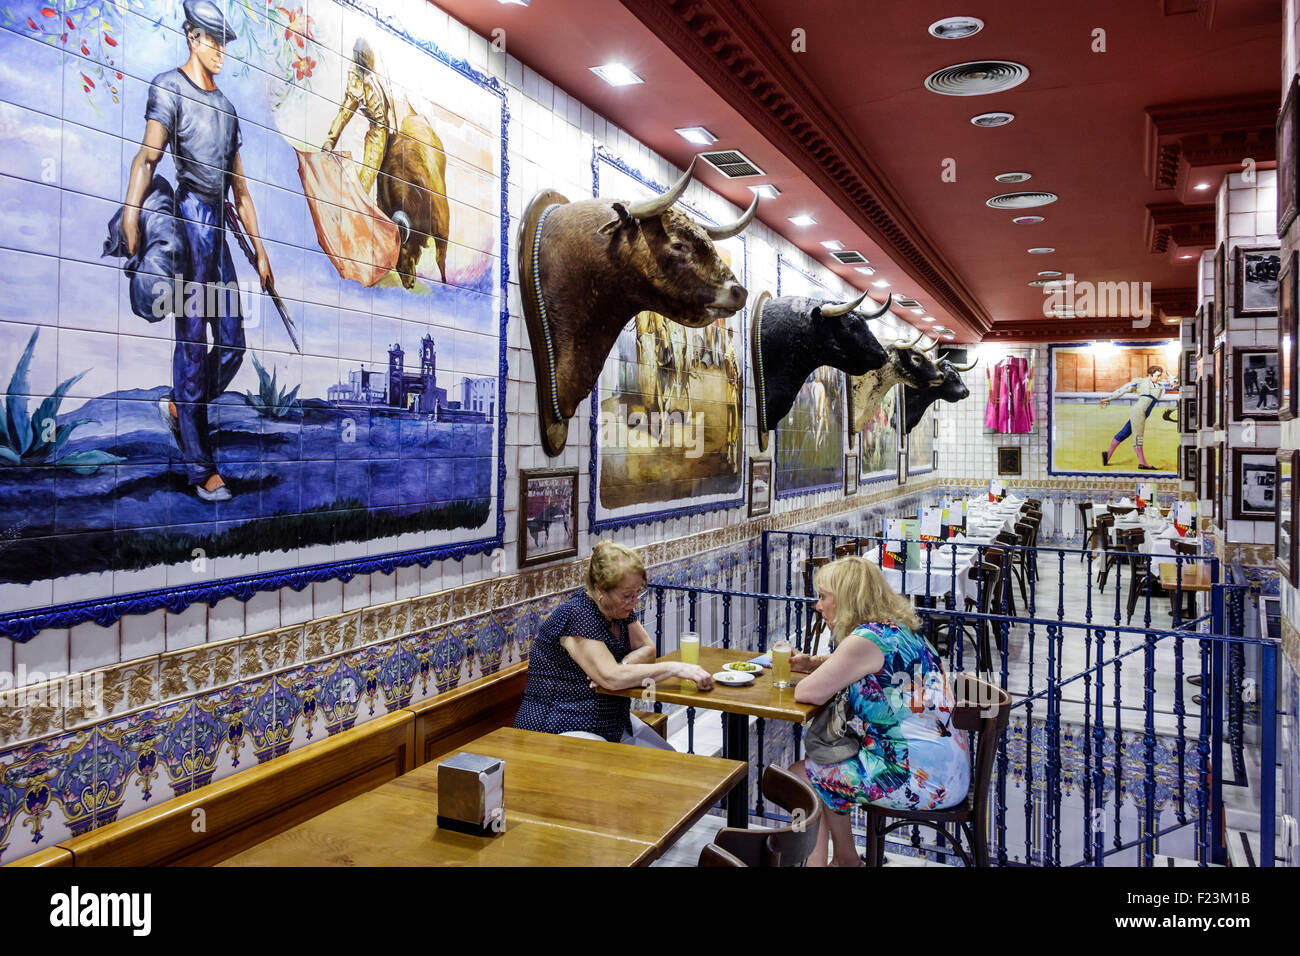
1013	177
1020	200
1027	220
1050	273
992	119
1050	283
1040	250
956	28
976	78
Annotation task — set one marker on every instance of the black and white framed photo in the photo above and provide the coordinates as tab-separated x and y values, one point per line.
1255	385
1009	460
1254	482
902	468
1288	326
1189	367
1207	330
850	474
760	487
1208	474
1220	316
1220	417
1257	268
548	515
1189	472
1285	548
1288	137
1220	464
1187	420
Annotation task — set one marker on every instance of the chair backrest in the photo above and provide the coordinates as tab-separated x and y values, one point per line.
848	547
1120	509
1105	523
713	855
1036	503
1185	548
982	709
809	569
1085	513
1024	534
783	846
992	573
1131	539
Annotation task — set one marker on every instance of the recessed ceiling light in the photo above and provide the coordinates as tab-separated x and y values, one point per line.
766	191
1040	250
941	330
834	245
521	3
880	284
976	78
927	318
866	270
1201	186
697	135
1027	220
1188	256
956	28
1013	177
803	219
918	311
992	119
1050	273
616	74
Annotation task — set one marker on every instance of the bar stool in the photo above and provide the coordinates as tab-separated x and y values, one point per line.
975	698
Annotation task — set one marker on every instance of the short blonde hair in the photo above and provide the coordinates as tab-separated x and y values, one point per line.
861	595
610	562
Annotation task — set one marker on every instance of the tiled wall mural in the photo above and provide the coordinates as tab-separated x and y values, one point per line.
293	356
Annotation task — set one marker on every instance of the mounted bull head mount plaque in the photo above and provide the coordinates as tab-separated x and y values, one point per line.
906	365
588	267
794	335
953	389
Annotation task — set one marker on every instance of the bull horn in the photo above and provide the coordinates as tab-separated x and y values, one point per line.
718	233
841	308
966	368
931	347
902	348
404	223
649	208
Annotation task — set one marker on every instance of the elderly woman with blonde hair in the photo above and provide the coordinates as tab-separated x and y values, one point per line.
593	641
900	704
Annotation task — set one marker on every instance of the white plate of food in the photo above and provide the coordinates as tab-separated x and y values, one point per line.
743	667
733	678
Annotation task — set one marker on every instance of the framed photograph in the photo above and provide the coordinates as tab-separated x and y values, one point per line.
1219	316
1219	458
1254	477
548	515
1220	395
1189	367
1288	135
850	474
1285	548
902	468
1287	311
760	487
1255	386
1009	460
1209	475
1187	420
1198	321
1257	268
1189	463
935	466
1207	330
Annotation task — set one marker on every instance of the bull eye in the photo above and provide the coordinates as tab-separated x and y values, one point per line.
678	246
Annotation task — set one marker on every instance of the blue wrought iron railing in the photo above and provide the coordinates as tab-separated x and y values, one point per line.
1112	763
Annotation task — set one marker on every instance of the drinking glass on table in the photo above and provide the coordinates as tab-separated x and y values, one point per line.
689	647
781	664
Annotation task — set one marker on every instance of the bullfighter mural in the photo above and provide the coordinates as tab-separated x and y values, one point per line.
233	376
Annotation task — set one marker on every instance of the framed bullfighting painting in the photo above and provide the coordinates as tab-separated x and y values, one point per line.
254	328
810	439
1113	409
667	436
548	515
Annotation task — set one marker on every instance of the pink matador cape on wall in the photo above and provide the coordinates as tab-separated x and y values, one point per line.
1010	409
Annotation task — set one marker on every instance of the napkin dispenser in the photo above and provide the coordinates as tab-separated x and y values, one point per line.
471	794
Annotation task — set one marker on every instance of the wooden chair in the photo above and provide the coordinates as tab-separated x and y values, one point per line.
1121	509
1087	521
1140	579
1184	549
1111	555
987	575
783	846
1006	558
814	627
713	855
983	710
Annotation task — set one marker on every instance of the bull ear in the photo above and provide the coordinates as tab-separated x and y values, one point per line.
613	225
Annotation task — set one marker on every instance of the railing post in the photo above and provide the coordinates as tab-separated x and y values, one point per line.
1268	754
764	574
1213	696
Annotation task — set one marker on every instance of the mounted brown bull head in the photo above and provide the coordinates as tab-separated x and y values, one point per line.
907	365
588	267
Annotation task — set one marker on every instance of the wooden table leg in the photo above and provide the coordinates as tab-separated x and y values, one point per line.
735	746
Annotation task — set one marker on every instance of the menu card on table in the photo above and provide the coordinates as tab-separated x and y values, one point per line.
901	546
1185	518
1146	494
932	524
954	517
997	489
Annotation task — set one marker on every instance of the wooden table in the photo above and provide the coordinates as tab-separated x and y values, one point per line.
759	699
1196	576
568	802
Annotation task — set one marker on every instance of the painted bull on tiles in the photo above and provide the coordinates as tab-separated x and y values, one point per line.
953	389
906	365
794	335
588	267
412	190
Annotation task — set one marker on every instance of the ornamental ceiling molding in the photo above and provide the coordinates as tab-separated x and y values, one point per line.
728	47
1179	225
1068	330
1181	136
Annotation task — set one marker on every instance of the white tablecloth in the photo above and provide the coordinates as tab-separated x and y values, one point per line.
1161	550
943	576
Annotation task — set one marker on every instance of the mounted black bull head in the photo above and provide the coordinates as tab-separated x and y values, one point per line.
953	389
588	267
907	365
794	335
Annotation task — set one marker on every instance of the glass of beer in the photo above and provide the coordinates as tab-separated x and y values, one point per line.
781	664
690	653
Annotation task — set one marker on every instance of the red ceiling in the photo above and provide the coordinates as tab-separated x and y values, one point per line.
1079	127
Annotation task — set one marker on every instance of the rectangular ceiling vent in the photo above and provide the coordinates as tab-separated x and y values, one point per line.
907	303
731	163
850	257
